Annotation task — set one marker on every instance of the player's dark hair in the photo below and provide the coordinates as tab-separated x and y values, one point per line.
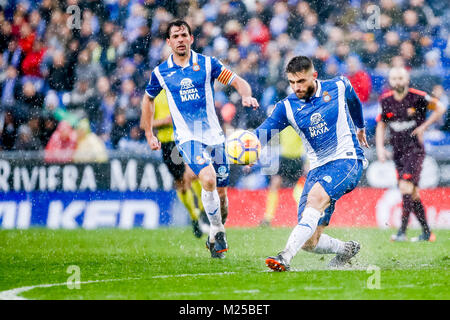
177	23
299	64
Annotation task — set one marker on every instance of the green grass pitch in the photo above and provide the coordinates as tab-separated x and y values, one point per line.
171	264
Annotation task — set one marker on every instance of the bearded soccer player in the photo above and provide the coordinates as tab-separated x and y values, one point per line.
324	114
403	110
188	78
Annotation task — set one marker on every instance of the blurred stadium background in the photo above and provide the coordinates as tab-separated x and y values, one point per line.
71	152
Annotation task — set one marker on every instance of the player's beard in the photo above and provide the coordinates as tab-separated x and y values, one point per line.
309	92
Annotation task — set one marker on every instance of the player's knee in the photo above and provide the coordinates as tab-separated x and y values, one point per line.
208	183
208	178
318	200
406	187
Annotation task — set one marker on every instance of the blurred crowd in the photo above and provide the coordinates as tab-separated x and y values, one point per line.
73	72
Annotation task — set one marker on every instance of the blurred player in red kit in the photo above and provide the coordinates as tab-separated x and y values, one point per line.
404	111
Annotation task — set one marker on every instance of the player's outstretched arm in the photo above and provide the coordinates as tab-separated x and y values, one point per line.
245	91
438	112
146	123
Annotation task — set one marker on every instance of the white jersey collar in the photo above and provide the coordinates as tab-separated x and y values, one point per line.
319	89
193	58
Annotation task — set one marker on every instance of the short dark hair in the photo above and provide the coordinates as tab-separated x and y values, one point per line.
299	64
177	23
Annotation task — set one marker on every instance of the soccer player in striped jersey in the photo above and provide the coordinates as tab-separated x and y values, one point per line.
324	114
403	111
188	78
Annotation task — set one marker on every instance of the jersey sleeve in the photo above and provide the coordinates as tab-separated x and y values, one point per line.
381	116
220	72
354	104
153	87
275	123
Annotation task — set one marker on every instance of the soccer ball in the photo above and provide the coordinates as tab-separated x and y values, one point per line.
243	147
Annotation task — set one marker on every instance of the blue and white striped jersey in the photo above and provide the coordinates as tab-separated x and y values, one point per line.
190	94
325	122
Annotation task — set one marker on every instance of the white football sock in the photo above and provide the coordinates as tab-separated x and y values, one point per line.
211	203
327	244
302	232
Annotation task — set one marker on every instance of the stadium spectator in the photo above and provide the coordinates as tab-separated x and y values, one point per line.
82	100
390	47
26	140
134	142
107	108
307	45
5	33
13	55
8	131
86	69
27	38
359	78
28	101
59	73
411	56
10	89
90	148
62	144
439	93
279	22
119	129
390	8
47	127
259	33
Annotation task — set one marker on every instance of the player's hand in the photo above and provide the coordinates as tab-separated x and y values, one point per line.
153	141
250	102
361	134
419	132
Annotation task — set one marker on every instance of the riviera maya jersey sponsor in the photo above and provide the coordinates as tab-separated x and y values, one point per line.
188	92
318	125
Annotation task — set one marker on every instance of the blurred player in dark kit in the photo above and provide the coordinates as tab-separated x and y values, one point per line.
404	110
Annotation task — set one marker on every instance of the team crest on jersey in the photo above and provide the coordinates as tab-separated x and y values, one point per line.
326	96
411	111
200	160
187	90
318	125
196	67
